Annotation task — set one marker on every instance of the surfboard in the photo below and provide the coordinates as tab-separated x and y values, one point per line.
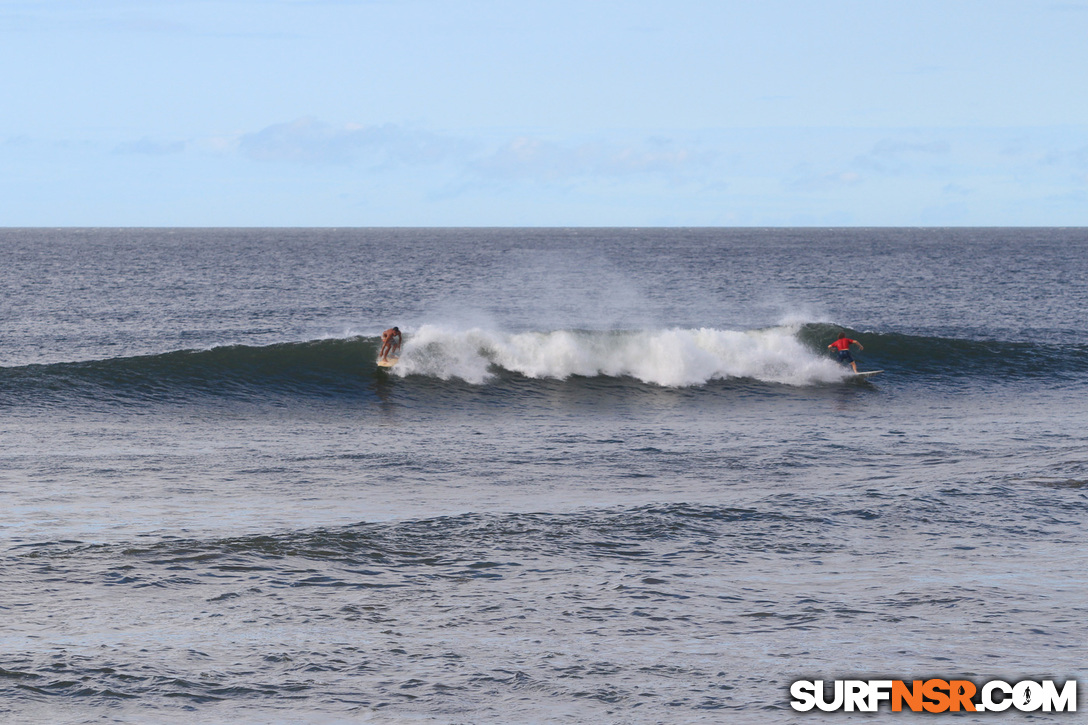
868	374
388	362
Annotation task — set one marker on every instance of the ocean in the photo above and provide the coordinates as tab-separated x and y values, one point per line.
616	475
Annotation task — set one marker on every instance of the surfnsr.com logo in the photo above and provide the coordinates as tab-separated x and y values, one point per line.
935	695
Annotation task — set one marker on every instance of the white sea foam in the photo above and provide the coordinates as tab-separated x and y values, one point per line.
669	357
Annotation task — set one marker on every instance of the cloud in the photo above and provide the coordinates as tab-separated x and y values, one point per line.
309	141
808	180
895	157
1073	196
1045	152
150	147
1079	158
891	147
956	190
526	157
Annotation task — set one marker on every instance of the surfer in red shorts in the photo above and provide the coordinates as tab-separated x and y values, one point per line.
843	346
390	342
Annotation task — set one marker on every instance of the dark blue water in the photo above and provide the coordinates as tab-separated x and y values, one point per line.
615	476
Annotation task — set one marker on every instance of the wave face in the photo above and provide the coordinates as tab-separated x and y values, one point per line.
790	355
939	358
316	368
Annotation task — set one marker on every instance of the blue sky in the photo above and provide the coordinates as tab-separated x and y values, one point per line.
549	113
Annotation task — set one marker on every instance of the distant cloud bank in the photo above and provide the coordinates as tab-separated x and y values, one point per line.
393	173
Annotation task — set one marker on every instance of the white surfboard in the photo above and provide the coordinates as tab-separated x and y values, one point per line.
868	374
388	362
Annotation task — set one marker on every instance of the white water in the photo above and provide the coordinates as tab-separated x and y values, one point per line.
671	357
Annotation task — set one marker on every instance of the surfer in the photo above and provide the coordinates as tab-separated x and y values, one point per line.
390	342
843	346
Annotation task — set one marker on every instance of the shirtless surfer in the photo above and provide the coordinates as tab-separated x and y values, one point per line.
843	346
390	343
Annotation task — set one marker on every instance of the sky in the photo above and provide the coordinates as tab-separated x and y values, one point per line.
357	113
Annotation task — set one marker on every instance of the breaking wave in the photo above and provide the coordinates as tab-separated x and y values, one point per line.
668	357
791	355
